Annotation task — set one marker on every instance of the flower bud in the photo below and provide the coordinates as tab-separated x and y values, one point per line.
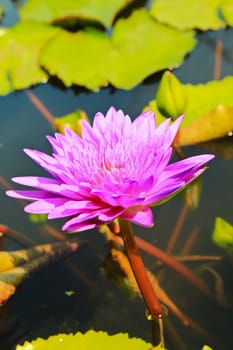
171	98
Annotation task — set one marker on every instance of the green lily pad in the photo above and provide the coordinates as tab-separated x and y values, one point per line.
20	47
49	11
223	234
88	341
124	60
87	61
227	11
187	14
136	41
208	112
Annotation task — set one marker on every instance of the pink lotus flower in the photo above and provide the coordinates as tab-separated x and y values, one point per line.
118	168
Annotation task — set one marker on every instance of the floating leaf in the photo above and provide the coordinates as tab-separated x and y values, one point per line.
216	123
208	112
20	47
124	60
88	341
16	266
87	61
203	98
144	46
49	11
227	11
72	121
186	14
223	234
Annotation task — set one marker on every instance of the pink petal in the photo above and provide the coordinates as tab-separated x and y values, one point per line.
141	215
24	194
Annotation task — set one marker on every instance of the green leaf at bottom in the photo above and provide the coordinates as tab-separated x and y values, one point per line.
88	341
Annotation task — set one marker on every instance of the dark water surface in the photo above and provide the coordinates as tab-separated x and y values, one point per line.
40	307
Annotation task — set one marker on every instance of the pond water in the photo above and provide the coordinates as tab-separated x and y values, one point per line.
40	307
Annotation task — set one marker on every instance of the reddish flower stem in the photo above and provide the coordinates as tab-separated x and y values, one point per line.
175	265
147	291
218	58
190	241
177	229
41	107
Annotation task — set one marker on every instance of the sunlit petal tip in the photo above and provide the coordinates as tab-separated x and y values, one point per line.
11	193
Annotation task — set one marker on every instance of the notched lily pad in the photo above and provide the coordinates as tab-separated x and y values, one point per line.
136	41
87	62
88	341
187	14
20	47
124	60
49	11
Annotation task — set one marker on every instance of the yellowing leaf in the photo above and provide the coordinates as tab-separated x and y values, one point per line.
214	124
186	14
88	341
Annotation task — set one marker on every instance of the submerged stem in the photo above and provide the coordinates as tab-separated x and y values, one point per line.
137	265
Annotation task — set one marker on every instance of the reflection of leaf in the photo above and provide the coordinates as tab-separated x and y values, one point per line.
50	11
16	266
20	47
222	147
223	234
124	60
88	341
200	14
